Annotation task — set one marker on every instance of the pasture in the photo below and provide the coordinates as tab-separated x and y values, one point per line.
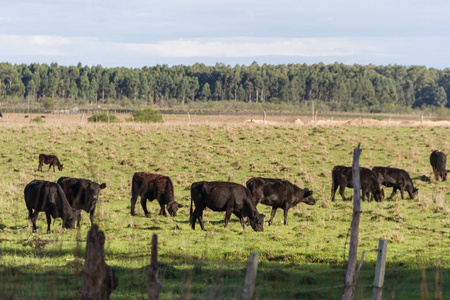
304	259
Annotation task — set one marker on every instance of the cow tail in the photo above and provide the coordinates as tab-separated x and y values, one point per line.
190	212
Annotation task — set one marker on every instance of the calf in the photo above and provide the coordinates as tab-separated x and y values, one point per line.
154	186
81	194
342	177
438	162
48	197
398	179
224	196
50	160
278	193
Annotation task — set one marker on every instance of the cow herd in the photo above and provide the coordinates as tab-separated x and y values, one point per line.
68	196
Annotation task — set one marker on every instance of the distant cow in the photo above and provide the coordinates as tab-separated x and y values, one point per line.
50	160
81	194
398	179
1	116
438	161
48	197
278	193
154	186
224	196
342	177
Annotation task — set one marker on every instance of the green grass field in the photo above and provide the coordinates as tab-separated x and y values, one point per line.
305	259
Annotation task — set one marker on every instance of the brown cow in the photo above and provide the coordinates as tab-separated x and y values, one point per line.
153	186
50	160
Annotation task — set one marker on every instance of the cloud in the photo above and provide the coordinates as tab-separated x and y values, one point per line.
257	47
71	50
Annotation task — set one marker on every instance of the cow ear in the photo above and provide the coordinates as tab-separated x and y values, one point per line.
102	186
180	205
308	193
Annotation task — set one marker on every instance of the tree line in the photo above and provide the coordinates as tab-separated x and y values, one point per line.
341	87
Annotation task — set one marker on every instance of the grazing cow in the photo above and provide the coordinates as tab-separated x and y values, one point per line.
278	193
154	186
81	194
438	161
224	196
398	179
342	177
50	160
48	197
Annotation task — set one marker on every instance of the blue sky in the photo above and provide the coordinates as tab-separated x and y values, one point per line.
138	33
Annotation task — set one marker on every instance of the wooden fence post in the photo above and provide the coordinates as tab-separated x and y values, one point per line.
99	279
351	274
379	271
250	278
154	285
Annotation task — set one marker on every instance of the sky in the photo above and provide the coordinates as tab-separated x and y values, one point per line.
138	33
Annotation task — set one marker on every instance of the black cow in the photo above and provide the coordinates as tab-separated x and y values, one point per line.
48	197
398	179
342	177
438	161
224	196
1	116
154	186
50	160
278	193
81	194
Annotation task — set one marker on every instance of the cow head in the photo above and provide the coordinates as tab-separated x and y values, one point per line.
93	189
69	220
415	192
308	198
60	167
379	195
173	207
257	222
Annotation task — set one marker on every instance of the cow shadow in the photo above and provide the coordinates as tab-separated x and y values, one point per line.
423	178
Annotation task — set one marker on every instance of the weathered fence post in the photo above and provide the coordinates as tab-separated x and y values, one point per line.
250	278
154	285
99	279
82	117
264	117
379	271
351	275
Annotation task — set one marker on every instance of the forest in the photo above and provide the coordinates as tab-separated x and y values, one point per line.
339	87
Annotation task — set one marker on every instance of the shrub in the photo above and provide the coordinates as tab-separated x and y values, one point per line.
103	117
147	115
37	120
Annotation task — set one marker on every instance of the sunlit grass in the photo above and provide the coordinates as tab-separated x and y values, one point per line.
308	254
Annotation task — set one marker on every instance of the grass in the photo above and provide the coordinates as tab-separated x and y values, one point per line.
304	259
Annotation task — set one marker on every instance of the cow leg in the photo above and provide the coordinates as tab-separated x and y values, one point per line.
133	202
402	193
241	219
341	192
91	217
394	191
144	206
334	187
200	220
162	211
33	216
272	214
286	209
227	217
49	221
40	167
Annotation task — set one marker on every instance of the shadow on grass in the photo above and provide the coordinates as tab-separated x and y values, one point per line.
210	280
